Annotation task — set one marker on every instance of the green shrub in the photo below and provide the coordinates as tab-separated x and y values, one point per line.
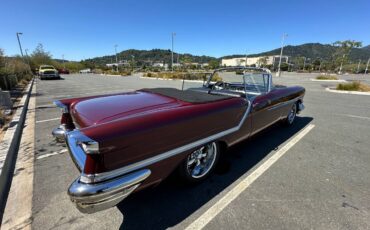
326	77
354	86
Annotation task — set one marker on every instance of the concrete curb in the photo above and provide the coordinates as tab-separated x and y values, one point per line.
347	92
10	146
9	134
327	80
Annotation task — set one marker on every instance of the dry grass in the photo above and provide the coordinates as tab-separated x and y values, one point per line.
326	77
354	86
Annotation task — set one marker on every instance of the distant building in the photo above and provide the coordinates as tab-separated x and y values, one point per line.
158	64
85	70
120	63
257	61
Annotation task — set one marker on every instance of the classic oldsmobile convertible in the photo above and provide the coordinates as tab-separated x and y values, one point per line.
128	141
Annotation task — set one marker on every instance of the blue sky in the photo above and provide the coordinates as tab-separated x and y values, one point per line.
82	29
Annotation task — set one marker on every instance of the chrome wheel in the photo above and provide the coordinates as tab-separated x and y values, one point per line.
292	114
201	161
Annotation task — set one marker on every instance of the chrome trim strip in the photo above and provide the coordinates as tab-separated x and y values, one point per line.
282	104
94	178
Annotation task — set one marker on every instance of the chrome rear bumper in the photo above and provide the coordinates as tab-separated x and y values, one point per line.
90	198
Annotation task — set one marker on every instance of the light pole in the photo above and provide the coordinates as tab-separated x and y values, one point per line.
367	65
246	57
19	42
341	64
64	65
320	65
133	62
28	61
358	66
281	53
173	35
115	49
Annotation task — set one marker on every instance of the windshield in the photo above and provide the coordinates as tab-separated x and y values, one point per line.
46	67
239	82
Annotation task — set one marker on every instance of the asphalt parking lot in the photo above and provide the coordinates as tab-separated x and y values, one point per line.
322	182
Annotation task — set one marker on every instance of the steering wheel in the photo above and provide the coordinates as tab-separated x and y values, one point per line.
219	84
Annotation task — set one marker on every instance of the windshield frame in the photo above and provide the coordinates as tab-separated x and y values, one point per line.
245	70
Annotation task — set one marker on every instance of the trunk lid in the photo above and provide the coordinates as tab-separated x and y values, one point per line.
108	108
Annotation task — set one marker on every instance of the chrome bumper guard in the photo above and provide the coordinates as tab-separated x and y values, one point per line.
59	133
91	197
300	107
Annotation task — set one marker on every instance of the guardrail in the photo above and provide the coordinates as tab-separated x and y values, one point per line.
7	172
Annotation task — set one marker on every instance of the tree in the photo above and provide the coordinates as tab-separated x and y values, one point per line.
341	55
2	58
213	64
262	61
40	57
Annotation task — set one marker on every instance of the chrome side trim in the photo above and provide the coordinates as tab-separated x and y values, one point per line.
283	104
90	198
74	140
94	178
62	106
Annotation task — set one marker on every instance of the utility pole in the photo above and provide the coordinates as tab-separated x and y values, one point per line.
358	66
367	65
115	49
19	42
133	62
28	60
246	57
64	65
341	64
320	65
173	35
281	53
304	63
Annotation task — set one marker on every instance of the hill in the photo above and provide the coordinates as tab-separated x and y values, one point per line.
154	55
313	51
308	50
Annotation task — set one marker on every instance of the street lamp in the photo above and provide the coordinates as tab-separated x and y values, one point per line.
281	53
64	65
133	62
19	42
320	65
246	57
115	49
358	66
173	35
367	65
28	61
341	64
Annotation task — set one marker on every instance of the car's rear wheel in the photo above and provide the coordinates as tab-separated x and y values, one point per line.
292	115
200	163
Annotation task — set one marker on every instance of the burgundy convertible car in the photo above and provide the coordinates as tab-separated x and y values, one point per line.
128	141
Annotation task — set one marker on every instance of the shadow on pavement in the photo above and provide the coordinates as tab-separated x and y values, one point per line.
170	203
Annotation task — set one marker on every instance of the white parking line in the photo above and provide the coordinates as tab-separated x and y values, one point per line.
52	154
355	116
52	119
215	209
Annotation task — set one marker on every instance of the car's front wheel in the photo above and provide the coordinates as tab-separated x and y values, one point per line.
200	163
292	115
